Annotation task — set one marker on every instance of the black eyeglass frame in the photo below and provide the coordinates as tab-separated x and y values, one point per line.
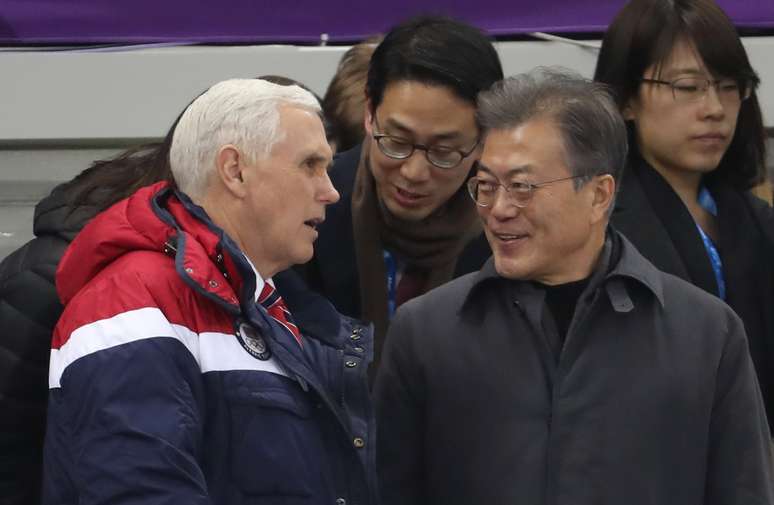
422	147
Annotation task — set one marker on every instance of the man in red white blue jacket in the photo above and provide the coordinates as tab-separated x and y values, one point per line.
177	373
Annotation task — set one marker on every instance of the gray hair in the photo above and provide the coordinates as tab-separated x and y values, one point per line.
242	112
593	131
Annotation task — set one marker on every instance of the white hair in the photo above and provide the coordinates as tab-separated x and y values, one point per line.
242	112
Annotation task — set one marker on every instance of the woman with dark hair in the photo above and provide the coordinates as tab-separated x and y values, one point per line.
30	308
685	86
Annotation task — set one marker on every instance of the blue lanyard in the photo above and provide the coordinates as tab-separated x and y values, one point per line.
392	282
708	203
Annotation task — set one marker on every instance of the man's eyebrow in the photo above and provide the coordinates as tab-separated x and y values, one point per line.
397	125
524	169
480	167
317	158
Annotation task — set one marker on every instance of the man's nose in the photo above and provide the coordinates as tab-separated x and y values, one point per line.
328	193
503	206
416	168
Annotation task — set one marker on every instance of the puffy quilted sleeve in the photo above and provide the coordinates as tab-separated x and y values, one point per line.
29	309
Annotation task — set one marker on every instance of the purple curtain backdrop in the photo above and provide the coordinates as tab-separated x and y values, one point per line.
302	21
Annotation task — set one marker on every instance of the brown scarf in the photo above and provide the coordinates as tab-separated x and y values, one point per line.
431	245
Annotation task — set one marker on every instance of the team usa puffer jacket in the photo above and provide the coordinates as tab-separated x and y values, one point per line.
169	385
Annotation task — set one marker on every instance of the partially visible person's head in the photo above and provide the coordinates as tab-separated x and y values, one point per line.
107	181
658	56
282	80
255	156
344	101
420	111
110	180
556	143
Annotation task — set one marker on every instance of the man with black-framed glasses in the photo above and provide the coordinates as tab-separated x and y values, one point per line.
568	370
404	217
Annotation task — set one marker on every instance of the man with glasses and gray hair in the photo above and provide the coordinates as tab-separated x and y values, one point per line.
568	370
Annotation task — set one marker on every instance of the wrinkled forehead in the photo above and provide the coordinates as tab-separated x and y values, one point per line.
534	147
300	129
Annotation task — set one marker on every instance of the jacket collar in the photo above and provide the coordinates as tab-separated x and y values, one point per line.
205	257
314	314
630	264
633	265
156	218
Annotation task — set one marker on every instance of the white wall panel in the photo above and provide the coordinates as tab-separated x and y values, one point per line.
61	110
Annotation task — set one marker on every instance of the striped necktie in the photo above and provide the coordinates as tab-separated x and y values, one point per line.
275	306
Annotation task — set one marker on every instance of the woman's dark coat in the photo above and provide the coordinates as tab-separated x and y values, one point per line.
29	309
651	215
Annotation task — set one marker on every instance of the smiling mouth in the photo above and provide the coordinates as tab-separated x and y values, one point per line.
510	237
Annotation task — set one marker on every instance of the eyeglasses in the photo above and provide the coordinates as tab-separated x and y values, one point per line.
484	191
399	148
693	89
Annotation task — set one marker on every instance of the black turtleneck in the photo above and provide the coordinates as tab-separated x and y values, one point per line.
561	300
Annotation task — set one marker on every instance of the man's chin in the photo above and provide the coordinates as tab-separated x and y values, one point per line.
407	214
303	255
510	269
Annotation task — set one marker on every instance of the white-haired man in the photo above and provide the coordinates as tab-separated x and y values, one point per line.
177	373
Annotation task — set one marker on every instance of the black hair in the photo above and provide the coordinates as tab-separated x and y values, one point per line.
434	50
643	35
281	80
107	181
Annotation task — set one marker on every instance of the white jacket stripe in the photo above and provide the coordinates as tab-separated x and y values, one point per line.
213	351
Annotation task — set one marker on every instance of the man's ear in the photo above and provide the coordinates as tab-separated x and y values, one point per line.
368	118
229	164
604	196
630	109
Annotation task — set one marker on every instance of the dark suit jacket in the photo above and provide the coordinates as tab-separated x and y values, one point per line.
650	214
653	401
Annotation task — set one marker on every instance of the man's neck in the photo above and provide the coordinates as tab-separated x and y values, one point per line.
582	264
225	217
